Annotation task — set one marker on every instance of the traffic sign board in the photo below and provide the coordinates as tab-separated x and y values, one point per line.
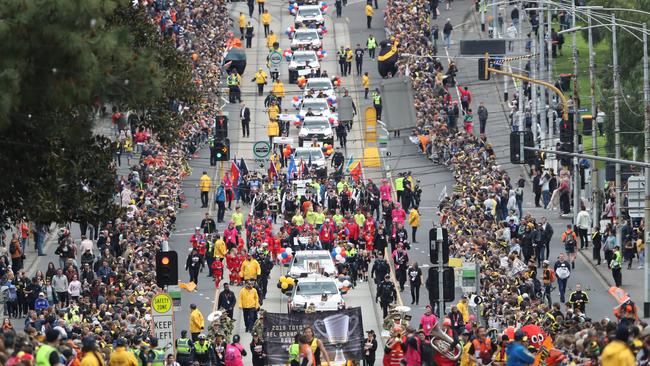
636	196
161	304
261	149
582	110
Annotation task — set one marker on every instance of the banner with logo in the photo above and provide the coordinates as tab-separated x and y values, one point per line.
341	332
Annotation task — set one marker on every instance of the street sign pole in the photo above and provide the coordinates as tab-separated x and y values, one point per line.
163	323
441	268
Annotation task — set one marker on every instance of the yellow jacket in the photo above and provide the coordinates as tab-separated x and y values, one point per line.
220	248
242	21
250	269
462	308
271	39
273	129
278	89
121	357
260	77
365	81
92	359
414	218
266	18
617	353
349	55
273	111
464	357
197	323
369	11
205	183
248	299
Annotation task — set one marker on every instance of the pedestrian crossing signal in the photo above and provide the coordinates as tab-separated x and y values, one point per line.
222	150
220	127
166	268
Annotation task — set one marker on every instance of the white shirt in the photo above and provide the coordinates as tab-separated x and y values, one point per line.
512	31
74	288
583	220
86	244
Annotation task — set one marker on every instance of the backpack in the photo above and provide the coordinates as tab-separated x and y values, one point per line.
551	275
570	241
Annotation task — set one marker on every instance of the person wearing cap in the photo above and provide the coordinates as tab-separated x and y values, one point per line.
47	354
369	348
184	348
258	350
249	302
234	353
41	302
202	350
249	35
517	351
386	294
197	322
120	356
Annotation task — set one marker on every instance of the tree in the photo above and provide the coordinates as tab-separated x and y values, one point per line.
61	60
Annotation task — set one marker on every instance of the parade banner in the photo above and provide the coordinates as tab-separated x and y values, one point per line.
341	333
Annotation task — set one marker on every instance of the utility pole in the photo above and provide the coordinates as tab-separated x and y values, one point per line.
576	147
534	69
522	126
646	100
541	50
549	72
595	196
441	272
617	132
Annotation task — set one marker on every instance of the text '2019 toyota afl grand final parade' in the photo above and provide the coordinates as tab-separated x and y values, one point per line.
324	182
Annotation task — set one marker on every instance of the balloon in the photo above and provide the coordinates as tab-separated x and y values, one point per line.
291	281
339	258
344	253
283	278
284	255
510	332
346	283
338	250
333	253
289	250
283	249
295	98
330	151
472	317
284	285
279	256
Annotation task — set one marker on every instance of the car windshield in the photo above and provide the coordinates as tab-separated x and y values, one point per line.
304	154
304	57
319	85
309	12
306	36
323	260
316	288
316	125
315	105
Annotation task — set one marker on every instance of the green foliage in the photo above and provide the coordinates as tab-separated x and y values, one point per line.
61	60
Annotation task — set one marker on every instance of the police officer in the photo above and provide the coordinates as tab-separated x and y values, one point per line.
249	35
399	186
376	102
184	348
155	356
342	134
202	350
341	56
579	299
386	294
371	45
233	81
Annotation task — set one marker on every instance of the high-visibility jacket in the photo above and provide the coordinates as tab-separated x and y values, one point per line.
233	80
43	355
369	10
376	98
273	129
273	111
183	346
260	77
248	298
266	18
204	183
242	21
278	89
349	55
371	43
201	347
365	81
399	184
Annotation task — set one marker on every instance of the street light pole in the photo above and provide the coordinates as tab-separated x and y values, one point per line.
595	207
646	100
549	74
542	76
576	148
617	133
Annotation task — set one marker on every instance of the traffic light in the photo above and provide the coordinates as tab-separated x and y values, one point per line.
166	268
483	73
448	285
566	130
515	147
220	127
565	160
433	245
222	150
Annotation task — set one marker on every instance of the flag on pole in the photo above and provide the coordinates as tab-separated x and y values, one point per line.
292	168
350	161
355	171
235	172
273	171
243	169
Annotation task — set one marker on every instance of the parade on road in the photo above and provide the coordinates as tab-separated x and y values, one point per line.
265	234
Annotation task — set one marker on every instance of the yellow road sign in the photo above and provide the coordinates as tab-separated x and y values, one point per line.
161	304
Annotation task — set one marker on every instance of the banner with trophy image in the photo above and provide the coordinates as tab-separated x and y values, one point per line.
341	333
